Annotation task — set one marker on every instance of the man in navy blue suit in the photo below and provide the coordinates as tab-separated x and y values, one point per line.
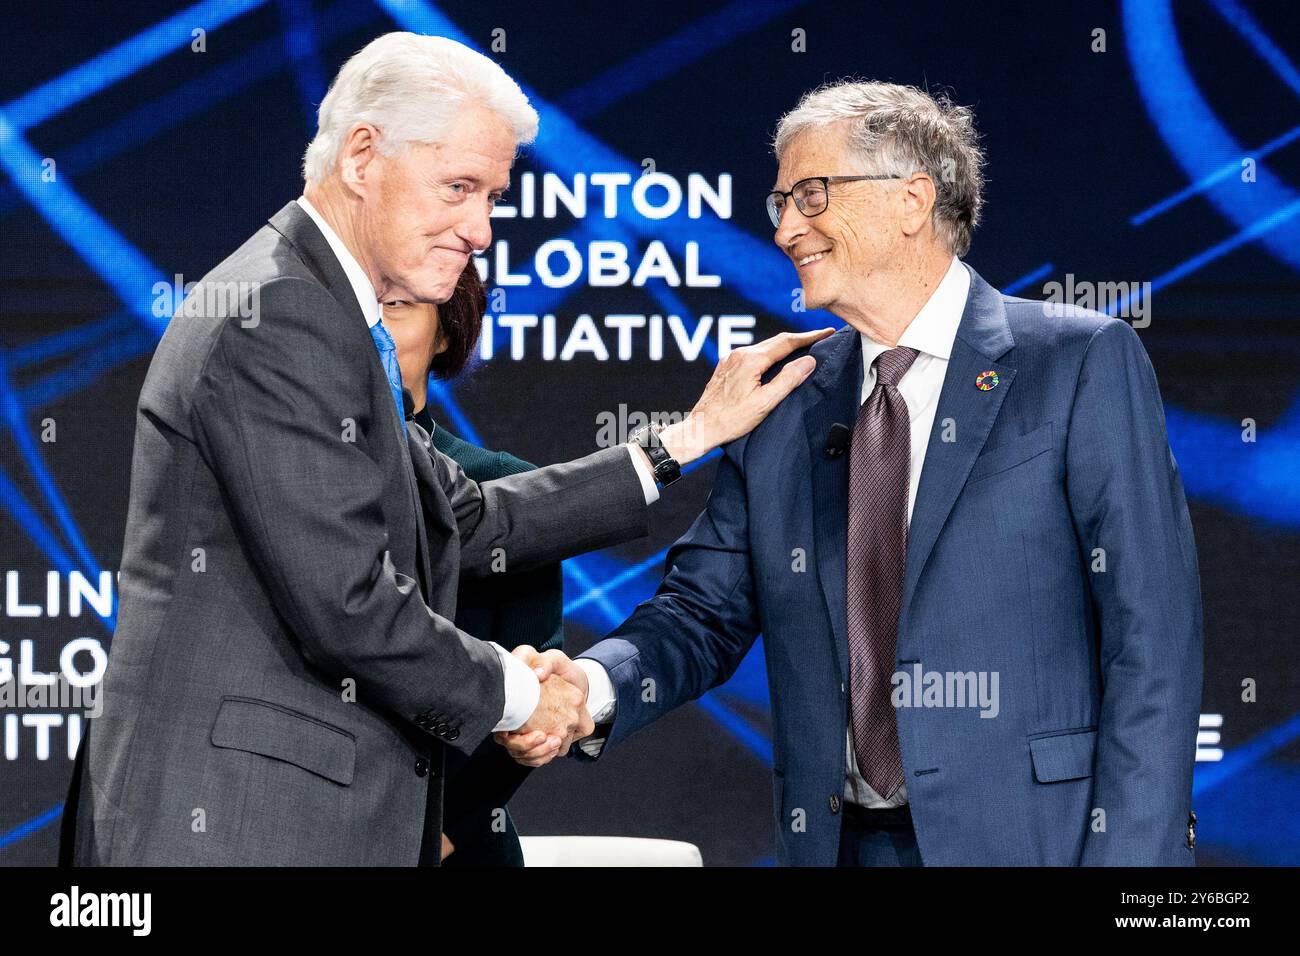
965	542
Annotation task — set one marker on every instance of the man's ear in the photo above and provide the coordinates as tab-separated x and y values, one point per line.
359	149
918	197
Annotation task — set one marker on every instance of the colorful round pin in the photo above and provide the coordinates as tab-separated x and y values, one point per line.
986	380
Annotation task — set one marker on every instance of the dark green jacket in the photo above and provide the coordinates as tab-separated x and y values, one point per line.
510	609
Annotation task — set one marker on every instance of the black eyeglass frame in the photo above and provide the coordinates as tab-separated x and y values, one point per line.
774	213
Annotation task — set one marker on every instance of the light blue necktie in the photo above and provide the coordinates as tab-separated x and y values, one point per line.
388	355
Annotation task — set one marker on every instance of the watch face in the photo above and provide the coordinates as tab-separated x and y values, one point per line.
666	472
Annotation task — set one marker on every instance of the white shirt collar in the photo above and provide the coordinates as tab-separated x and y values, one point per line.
361	287
935	326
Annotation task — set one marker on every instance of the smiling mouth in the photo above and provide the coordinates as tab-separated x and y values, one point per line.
816	256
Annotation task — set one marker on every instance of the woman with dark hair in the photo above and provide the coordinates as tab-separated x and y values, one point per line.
436	339
510	609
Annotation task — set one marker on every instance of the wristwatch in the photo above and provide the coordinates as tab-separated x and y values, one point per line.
665	465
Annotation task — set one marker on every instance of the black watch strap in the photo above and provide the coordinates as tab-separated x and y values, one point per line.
666	469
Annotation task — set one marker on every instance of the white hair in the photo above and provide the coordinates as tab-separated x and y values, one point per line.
412	88
901	130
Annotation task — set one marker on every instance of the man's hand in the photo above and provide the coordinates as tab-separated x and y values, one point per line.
736	400
561	716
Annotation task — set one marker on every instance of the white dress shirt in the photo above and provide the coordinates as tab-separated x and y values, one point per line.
931	333
522	691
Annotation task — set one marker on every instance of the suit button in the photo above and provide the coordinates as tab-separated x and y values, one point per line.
835	803
440	729
453	733
421	767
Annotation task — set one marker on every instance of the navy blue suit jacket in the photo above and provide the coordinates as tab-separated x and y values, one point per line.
1049	544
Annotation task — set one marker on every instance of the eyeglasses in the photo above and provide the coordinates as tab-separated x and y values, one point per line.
811	196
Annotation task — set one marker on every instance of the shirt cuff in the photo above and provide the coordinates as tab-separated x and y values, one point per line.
601	701
522	691
643	471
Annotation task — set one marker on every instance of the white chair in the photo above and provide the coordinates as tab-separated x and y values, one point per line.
607	851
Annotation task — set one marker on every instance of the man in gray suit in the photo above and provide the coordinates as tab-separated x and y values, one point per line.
285	672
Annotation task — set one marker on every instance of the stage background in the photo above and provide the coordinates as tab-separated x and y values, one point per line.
1112	157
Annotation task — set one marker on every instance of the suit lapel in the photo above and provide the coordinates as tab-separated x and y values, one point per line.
982	337
421	454
314	250
838	380
295	225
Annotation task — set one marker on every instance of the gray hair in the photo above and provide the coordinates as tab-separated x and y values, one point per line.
901	130
412	87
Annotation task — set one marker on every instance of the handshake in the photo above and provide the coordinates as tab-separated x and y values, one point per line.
561	717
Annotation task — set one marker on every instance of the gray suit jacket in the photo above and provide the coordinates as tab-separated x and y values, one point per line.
285	670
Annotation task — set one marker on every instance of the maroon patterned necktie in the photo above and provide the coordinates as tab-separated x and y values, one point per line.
879	467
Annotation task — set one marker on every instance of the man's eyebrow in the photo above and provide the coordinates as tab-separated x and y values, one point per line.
475	180
478	181
793	180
